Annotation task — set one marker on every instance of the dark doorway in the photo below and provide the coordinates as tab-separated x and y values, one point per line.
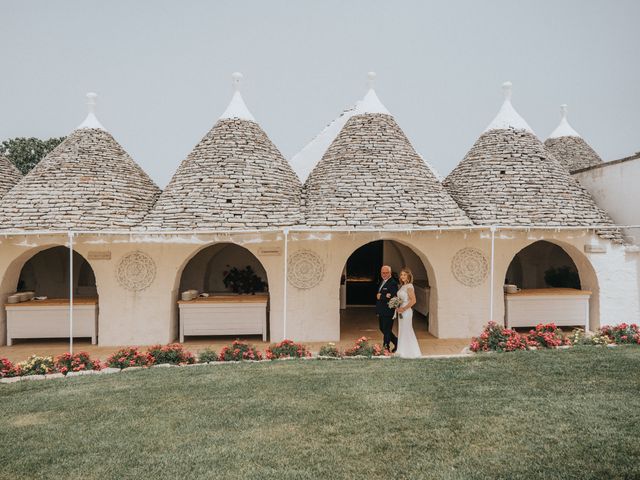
363	274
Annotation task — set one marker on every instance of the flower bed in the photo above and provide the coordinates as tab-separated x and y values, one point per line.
286	349
363	348
495	338
207	355
129	357
580	337
174	353
623	333
36	365
547	335
8	369
329	350
238	351
77	362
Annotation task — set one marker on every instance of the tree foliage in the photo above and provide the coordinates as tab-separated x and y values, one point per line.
25	153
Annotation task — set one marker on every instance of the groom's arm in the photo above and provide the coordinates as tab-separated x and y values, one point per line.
393	289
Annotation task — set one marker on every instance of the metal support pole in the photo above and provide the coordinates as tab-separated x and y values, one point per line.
284	290
70	292
493	243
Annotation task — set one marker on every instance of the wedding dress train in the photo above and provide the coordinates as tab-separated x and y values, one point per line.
407	342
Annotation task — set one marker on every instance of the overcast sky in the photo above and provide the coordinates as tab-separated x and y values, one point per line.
162	69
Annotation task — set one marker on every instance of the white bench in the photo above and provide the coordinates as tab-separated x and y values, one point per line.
50	319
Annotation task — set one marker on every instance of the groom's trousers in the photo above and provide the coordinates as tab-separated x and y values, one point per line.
386	324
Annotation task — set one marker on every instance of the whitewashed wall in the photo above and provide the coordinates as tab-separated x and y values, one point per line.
615	188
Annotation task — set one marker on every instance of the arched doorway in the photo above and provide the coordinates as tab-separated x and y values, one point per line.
554	285
360	281
223	291
44	313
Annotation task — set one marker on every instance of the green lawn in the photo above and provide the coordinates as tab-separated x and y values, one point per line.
544	414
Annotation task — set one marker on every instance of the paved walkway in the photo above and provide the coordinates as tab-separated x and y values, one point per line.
356	322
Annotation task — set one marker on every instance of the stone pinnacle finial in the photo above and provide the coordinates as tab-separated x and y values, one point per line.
236	79
371	79
506	90
91	102
564	108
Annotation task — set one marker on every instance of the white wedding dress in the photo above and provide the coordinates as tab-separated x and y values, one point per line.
407	342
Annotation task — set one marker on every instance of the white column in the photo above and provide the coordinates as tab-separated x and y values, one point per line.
493	243
284	290
70	292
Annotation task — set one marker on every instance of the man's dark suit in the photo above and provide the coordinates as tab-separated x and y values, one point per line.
385	314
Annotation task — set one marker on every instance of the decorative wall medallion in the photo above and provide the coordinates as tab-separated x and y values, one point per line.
136	271
305	269
469	266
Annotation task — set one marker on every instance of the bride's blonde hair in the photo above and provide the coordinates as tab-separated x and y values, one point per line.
409	275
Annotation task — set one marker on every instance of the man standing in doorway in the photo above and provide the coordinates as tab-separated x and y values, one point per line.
387	290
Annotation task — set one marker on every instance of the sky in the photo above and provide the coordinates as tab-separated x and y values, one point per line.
162	69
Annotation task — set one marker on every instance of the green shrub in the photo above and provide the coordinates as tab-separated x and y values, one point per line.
363	348
239	351
329	350
173	353
286	349
8	369
129	357
67	362
207	355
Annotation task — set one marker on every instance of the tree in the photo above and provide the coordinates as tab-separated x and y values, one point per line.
25	153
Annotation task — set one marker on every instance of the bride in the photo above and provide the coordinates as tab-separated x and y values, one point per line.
407	342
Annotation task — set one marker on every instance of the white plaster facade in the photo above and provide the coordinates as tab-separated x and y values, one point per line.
313	314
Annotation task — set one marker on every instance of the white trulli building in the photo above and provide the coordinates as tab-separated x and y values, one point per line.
509	212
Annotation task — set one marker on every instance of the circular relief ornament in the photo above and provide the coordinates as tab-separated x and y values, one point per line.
469	266
136	271
305	269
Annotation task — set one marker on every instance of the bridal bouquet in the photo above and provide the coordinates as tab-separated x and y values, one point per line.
394	303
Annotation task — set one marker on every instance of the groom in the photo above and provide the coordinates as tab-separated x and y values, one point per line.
386	291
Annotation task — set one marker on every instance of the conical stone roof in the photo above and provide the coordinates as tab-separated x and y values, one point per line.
509	178
569	148
235	178
371	177
88	182
9	175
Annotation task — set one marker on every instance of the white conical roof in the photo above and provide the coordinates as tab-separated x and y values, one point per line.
507	117
88	182
564	129
234	178
306	159
569	147
372	177
237	108
510	178
91	121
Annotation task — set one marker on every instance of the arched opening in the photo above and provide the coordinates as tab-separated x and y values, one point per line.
47	274
360	282
40	306
223	291
543	284
543	265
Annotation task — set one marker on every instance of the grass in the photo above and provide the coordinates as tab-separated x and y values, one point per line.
546	414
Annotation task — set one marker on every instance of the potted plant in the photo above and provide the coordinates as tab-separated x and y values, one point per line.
243	281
